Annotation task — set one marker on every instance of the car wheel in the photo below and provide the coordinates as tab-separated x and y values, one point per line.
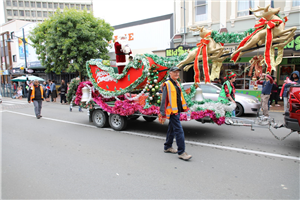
117	122
149	119
100	118
239	110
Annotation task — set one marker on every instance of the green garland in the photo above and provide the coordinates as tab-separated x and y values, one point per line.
168	61
138	62
72	89
230	37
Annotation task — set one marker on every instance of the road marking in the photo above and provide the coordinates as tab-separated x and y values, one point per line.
15	102
163	138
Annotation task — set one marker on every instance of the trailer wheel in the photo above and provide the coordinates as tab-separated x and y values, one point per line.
117	122
149	119
239	110
100	118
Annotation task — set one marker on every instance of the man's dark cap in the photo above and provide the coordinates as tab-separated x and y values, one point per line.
174	68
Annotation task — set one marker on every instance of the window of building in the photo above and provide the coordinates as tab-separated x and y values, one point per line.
200	11
9	12
61	6
27	13
33	13
21	12
67	5
72	5
88	7
44	4
77	6
45	14
14	58
26	3
15	3
244	6
296	3
8	2
20	3
38	4
49	5
55	5
15	13
39	13
82	7
32	4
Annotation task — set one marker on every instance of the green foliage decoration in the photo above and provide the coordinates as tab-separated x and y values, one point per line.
72	89
68	39
230	37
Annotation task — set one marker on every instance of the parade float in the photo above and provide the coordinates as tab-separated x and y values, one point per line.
112	97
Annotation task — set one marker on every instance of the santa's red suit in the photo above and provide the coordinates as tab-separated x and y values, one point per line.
121	49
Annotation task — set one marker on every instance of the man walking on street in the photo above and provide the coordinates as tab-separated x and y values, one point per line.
173	103
36	95
267	85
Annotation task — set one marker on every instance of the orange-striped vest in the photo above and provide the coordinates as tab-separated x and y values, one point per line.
171	101
33	92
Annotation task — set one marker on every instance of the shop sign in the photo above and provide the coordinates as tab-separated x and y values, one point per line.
178	51
36	71
17	71
295	44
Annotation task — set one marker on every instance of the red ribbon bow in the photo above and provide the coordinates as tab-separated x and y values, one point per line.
202	45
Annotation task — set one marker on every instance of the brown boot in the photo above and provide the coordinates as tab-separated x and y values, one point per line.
184	156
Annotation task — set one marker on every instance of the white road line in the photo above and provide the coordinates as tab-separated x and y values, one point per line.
163	138
15	102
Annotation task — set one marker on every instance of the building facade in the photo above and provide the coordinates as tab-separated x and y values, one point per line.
9	50
233	16
38	11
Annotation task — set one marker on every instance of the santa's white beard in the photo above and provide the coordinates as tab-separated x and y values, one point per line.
124	46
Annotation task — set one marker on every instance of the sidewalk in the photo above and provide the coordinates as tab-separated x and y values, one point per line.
277	108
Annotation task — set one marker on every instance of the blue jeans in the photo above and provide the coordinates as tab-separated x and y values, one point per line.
175	130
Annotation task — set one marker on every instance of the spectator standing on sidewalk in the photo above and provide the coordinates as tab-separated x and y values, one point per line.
294	79
62	91
274	93
36	96
173	103
53	91
267	85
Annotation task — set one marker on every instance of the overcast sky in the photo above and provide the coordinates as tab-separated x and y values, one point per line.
118	12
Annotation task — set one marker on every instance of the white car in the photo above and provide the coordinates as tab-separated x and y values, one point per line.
246	104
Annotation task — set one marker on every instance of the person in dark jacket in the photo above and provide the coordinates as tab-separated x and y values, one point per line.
267	85
274	93
294	79
62	91
36	96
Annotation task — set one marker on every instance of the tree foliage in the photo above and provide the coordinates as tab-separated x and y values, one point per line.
68	39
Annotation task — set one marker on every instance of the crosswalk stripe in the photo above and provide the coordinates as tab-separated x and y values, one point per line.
13	102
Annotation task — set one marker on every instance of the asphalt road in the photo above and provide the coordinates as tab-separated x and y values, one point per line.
64	156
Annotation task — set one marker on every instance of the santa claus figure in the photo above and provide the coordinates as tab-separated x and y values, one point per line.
122	51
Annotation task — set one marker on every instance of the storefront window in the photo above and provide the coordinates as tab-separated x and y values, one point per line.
244	6
200	11
296	3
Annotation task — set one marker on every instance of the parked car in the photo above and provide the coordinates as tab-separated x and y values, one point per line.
292	115
246	104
